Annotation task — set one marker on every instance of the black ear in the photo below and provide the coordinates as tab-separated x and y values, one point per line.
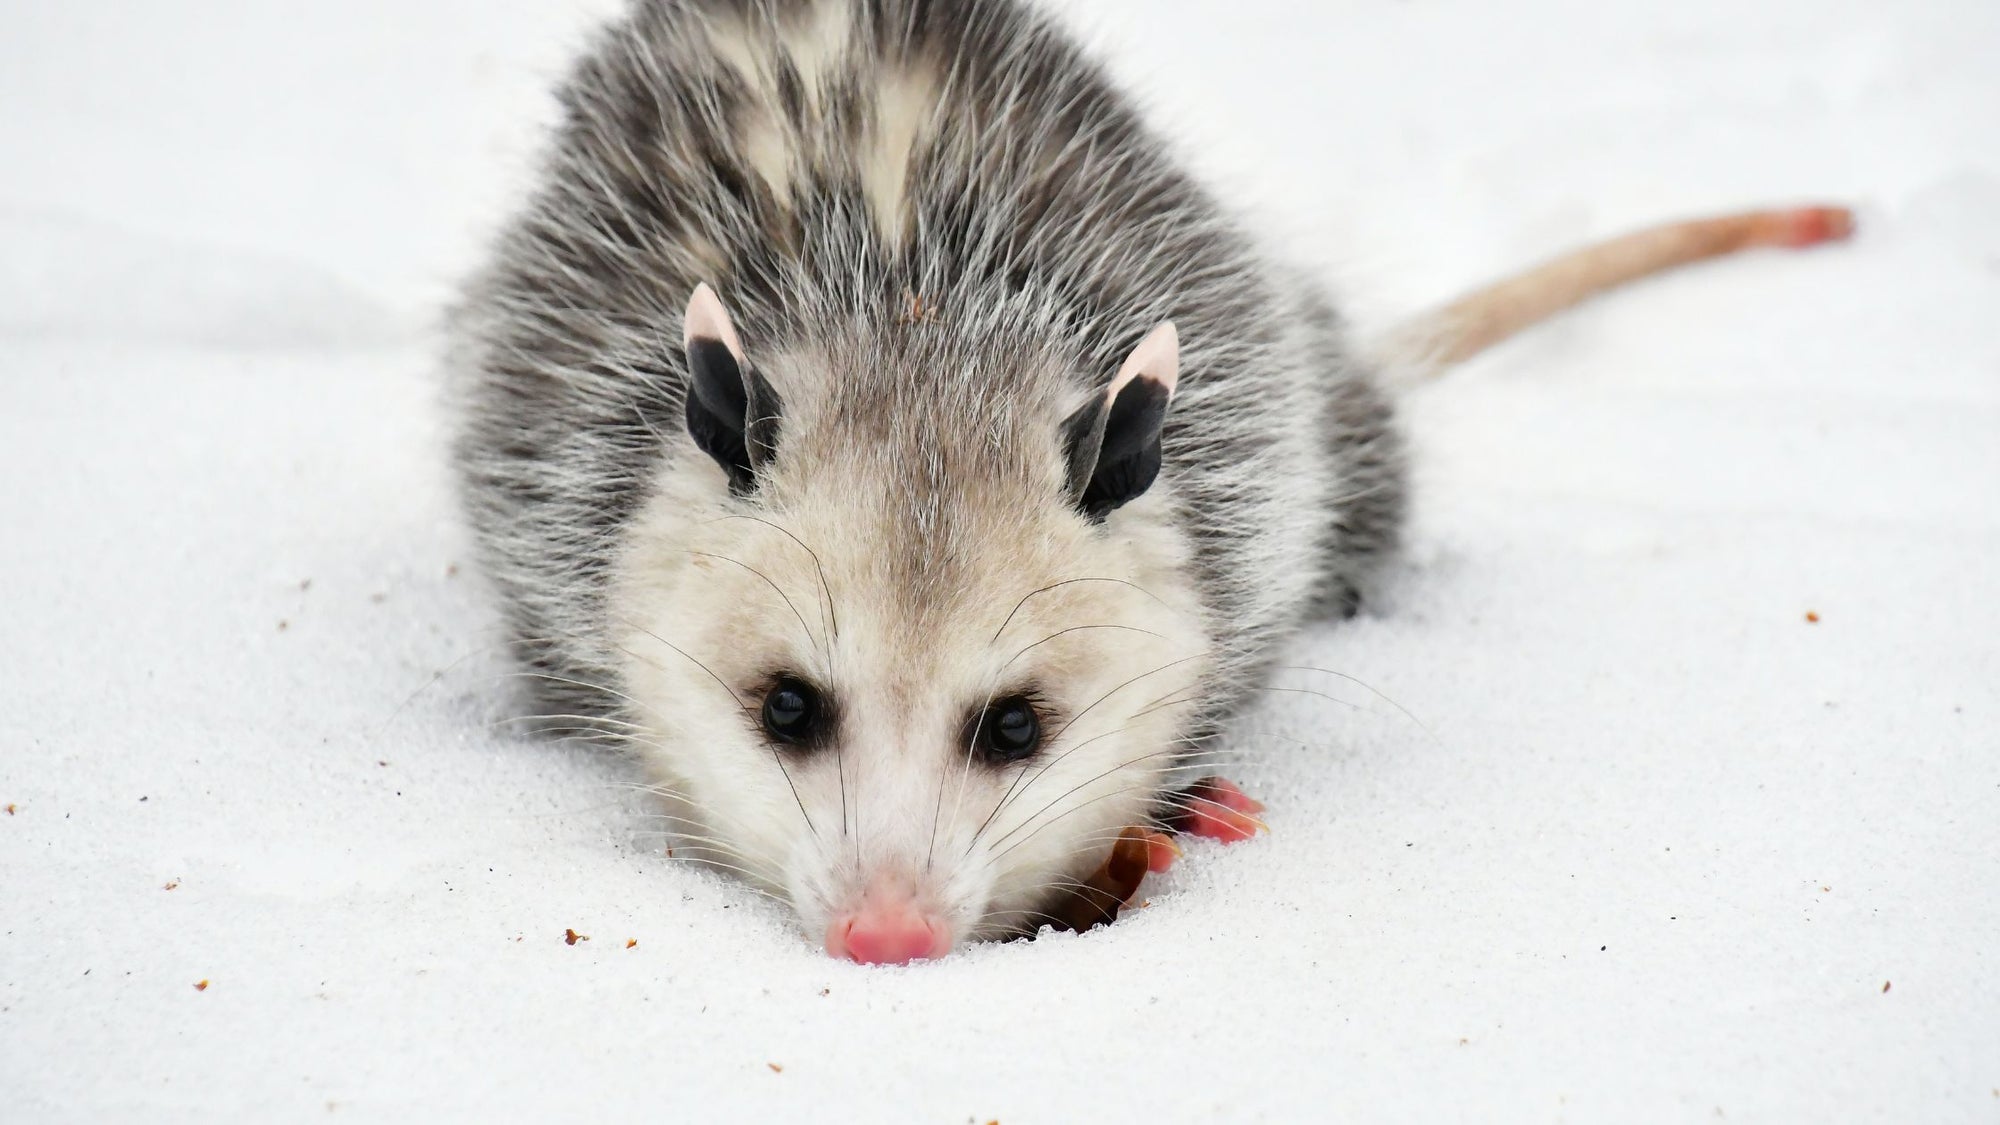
1113	441
732	411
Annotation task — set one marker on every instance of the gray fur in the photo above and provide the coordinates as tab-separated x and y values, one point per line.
1045	230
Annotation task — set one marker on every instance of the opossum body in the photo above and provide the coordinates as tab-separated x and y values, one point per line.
868	424
938	238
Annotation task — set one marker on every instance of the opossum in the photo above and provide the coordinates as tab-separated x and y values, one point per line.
869	424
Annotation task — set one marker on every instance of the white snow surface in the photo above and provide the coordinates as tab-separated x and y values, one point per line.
1651	844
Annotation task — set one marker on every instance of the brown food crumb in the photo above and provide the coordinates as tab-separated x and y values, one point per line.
201	986
571	937
1812	618
1885	986
775	1068
10	810
630	942
826	992
451	570
918	311
284	625
171	884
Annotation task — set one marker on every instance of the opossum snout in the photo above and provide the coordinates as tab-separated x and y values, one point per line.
888	929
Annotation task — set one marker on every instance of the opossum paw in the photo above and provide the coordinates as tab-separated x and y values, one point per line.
1218	810
1161	851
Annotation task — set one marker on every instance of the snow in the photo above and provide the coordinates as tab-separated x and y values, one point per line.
1650	844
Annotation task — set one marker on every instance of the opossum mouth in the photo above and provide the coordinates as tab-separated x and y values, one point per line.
1212	808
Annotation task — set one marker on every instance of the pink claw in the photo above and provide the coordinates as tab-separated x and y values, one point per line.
1219	810
1161	851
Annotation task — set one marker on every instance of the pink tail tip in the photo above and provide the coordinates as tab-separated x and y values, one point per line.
1810	226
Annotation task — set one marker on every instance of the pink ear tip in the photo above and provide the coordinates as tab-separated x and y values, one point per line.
706	316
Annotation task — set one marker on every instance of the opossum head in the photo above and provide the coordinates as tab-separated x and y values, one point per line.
906	628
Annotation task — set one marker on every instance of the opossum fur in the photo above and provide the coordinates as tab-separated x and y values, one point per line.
938	233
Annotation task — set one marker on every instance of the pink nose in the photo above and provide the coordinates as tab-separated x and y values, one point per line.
887	934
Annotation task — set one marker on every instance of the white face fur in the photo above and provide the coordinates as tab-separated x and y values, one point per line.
994	684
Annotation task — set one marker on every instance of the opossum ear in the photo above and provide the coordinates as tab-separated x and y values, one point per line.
732	411
1113	441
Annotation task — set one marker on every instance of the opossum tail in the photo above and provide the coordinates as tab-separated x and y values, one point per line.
1437	340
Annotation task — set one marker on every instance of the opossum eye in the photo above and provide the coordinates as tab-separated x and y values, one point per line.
1114	440
1011	730
792	711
